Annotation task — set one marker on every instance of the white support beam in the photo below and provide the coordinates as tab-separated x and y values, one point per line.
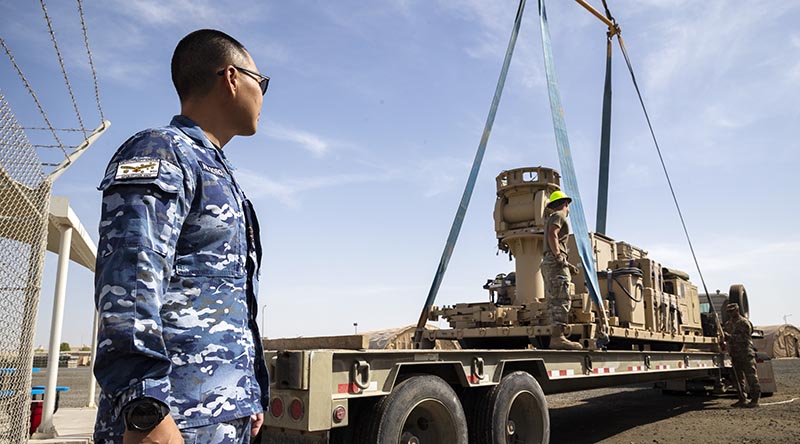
92	383
46	427
80	149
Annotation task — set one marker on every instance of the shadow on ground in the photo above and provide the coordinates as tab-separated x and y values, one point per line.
595	419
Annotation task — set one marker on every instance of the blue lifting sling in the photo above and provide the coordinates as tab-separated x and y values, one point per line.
569	180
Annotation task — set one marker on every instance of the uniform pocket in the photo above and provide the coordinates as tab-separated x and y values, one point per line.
212	239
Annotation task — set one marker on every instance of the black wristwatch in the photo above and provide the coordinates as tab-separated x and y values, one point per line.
144	414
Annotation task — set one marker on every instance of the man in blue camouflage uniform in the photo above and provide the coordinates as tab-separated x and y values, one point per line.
179	357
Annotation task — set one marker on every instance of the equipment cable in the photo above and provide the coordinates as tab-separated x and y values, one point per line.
663	166
612	275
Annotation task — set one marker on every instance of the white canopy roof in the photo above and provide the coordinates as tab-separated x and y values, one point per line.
83	250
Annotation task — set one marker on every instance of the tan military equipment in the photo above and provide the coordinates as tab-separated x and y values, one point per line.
647	305
344	389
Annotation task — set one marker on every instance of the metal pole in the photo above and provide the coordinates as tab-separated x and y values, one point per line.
92	382
263	321
46	427
612	27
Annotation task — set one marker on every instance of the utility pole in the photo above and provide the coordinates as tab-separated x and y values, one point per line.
263	321
785	317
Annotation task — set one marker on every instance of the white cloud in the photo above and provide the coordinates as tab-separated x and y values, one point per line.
155	12
440	175
706	41
725	256
288	191
494	23
727	118
310	142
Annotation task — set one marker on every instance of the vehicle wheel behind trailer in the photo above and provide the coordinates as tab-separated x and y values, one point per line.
420	410
514	411
738	295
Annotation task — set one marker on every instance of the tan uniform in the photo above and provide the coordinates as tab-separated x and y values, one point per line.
743	356
555	272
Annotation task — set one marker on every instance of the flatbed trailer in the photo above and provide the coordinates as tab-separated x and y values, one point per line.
451	396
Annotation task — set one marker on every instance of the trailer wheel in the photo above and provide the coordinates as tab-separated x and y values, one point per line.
738	295
514	411
421	409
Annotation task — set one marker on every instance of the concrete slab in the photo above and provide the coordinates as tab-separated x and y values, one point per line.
73	426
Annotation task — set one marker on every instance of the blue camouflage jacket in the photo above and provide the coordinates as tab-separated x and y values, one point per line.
176	283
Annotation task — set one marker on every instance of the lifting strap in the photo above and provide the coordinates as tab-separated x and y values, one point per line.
605	147
569	179
455	229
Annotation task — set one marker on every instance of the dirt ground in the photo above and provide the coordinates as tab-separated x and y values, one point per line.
645	416
628	415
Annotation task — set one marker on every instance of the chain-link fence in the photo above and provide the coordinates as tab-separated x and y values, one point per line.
24	201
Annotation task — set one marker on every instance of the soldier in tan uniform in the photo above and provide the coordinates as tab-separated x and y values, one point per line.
738	336
556	270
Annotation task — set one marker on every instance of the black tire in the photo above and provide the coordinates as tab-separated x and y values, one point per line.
424	408
514	411
738	295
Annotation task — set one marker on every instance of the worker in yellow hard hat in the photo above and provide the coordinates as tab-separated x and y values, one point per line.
556	270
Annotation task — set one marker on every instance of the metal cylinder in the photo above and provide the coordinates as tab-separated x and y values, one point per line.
522	195
527	251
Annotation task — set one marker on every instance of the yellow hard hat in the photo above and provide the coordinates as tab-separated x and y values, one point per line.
557	196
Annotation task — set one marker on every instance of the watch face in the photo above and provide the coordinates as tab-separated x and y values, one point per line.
145	416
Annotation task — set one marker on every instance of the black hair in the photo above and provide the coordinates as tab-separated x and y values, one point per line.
198	57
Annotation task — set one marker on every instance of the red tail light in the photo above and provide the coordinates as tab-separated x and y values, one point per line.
339	414
276	407
296	409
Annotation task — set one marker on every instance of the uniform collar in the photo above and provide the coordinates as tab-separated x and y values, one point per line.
193	130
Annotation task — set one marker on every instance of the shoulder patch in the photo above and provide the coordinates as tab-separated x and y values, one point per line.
138	169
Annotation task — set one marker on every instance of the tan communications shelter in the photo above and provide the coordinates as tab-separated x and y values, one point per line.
780	341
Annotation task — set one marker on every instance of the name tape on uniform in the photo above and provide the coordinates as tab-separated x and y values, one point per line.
213	170
138	169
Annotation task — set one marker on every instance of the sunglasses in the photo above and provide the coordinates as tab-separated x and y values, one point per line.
263	81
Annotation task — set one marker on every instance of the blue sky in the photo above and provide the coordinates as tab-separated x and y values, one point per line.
374	113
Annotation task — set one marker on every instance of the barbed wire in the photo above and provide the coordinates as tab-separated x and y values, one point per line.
33	94
41	128
63	69
53	146
91	62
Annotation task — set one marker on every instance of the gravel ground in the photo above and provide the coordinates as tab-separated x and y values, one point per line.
645	416
626	415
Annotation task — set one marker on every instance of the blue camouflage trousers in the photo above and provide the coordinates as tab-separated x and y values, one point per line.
236	431
231	432
556	290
